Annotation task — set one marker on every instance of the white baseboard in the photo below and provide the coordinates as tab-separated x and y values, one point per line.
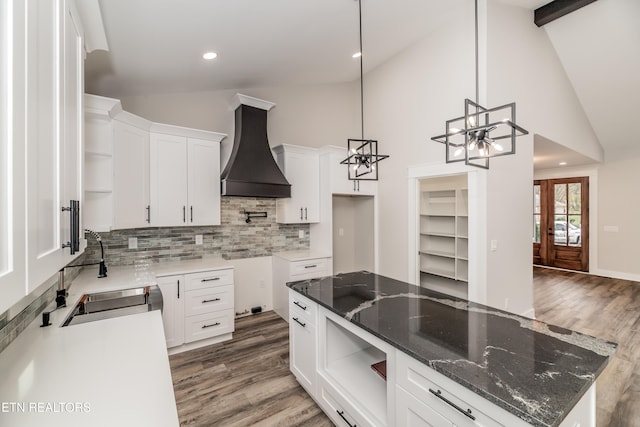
531	313
616	275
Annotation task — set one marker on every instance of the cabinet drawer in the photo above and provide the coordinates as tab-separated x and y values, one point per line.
338	408
448	398
208	325
302	306
208	279
208	300
308	269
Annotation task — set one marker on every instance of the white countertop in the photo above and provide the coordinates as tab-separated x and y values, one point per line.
301	255
112	372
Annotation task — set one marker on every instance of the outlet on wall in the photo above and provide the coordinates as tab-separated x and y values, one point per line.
198	239
133	243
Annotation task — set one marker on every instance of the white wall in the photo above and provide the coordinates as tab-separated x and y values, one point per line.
312	116
253	283
353	233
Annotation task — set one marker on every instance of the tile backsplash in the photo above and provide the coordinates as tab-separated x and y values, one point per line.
233	239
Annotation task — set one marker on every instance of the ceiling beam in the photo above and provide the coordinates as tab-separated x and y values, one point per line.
557	9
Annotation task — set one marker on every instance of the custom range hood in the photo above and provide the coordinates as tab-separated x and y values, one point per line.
251	170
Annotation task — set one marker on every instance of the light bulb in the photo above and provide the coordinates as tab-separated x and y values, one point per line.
453	131
497	146
355	167
353	150
373	167
472	145
472	121
458	152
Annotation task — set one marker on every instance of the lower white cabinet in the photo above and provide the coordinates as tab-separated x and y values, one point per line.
412	412
291	267
198	308
302	340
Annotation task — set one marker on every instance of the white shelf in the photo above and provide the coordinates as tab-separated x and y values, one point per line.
98	154
439	253
438	272
436	234
98	190
354	374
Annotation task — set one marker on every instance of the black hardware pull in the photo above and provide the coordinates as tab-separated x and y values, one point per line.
149	214
210	326
305	213
300	213
341	413
354	185
184	214
204	301
178	289
300	305
358	185
439	395
304	325
210	280
191	213
74	226
311	266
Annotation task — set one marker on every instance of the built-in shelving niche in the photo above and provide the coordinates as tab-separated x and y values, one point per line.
444	234
348	362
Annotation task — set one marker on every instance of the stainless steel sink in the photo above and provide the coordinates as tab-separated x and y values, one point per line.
106	305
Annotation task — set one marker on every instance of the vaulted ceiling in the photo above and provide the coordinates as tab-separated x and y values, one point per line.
156	47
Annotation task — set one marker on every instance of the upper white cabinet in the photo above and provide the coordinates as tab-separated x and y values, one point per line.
117	166
300	165
142	174
54	129
338	174
185	176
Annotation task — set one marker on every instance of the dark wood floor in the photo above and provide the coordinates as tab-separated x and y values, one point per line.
606	308
247	382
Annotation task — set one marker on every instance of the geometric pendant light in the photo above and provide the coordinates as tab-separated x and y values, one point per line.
482	132
362	154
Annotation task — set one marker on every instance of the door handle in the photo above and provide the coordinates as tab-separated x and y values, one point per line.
209	326
149	214
304	325
184	214
300	213
305	213
439	395
191	208
178	289
204	301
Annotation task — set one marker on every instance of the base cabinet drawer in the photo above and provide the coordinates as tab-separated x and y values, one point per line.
208	300
208	325
337	407
308	269
195	281
412	412
305	307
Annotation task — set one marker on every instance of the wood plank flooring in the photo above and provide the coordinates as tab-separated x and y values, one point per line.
247	382
606	308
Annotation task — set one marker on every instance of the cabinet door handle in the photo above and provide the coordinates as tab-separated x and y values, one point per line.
439	395
210	326
210	280
341	413
300	213
354	185
311	266
300	305
304	325
149	214
358	185
184	214
178	289
204	301
191	208
305	213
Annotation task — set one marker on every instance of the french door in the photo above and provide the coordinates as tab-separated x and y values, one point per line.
561	223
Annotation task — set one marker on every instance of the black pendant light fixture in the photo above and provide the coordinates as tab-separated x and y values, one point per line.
482	132
362	154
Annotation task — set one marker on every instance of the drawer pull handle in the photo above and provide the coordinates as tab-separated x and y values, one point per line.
210	280
209	326
300	305
311	266
304	325
204	301
341	413
439	395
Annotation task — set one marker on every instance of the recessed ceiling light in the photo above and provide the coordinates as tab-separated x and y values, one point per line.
563	163
356	55
210	55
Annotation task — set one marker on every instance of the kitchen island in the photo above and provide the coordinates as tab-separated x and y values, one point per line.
376	351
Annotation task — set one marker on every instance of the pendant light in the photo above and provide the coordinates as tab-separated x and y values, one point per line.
362	154
482	132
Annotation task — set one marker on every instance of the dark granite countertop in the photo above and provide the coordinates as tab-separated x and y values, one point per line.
534	370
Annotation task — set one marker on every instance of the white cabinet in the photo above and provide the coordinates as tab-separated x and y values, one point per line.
198	308
185	177
300	165
302	340
412	412
12	154
338	174
131	175
290	267
444	235
53	132
172	288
